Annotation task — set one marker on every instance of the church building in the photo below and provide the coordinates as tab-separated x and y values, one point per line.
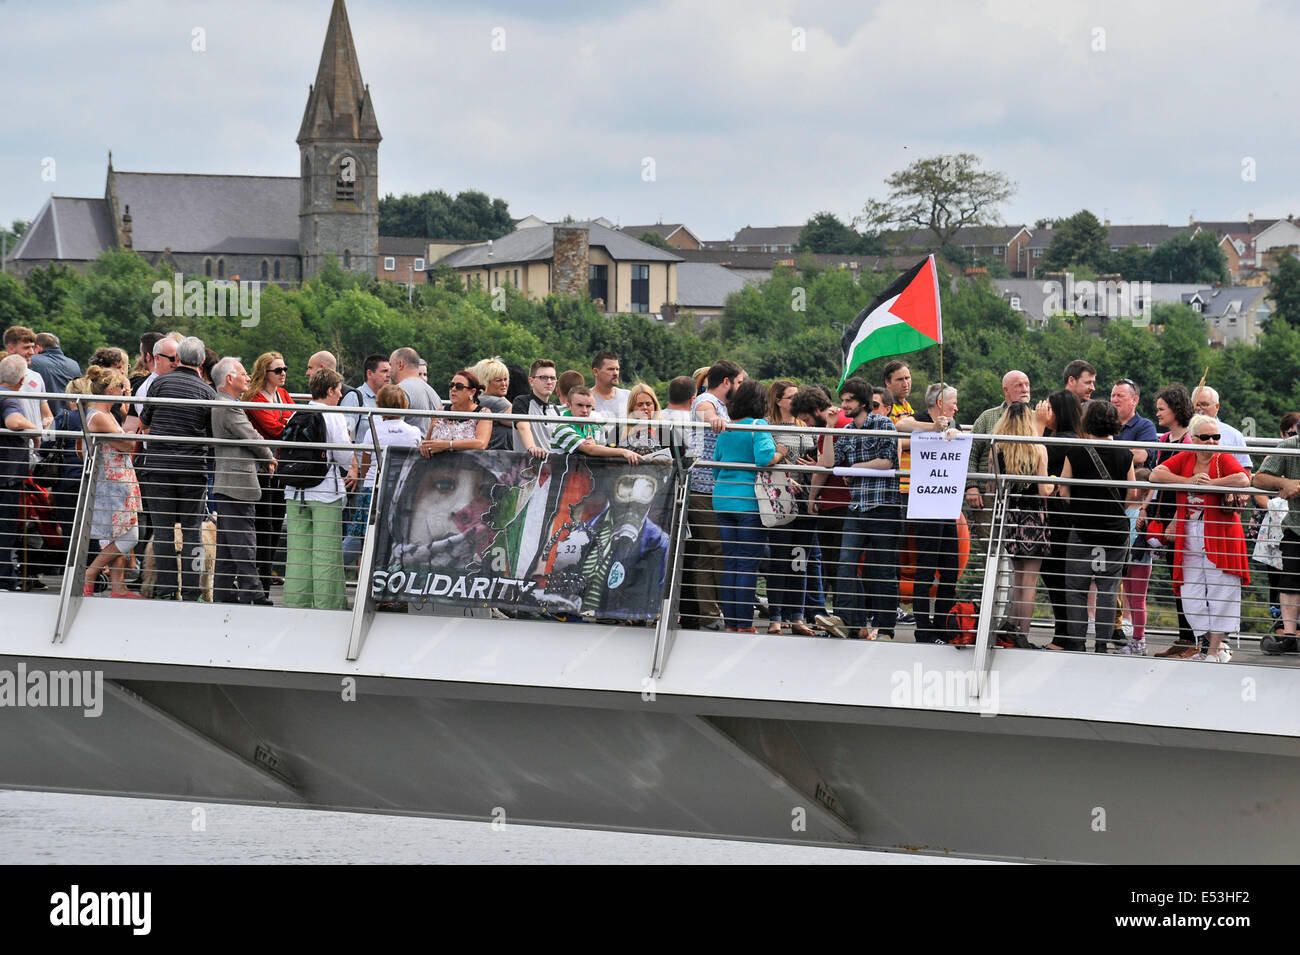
273	228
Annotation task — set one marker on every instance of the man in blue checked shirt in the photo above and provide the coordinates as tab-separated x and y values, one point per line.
871	535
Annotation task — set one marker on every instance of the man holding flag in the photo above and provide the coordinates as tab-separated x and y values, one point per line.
904	318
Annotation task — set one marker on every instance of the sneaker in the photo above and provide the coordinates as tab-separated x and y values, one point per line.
1127	627
1223	656
832	625
904	618
1134	648
1274	644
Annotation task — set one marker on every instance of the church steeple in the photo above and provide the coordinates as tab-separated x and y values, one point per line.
338	104
339	144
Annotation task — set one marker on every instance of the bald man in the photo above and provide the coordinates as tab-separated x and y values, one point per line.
1205	400
1015	387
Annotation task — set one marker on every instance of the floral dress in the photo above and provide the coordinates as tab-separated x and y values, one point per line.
117	494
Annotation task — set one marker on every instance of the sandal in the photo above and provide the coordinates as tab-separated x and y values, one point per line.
775	629
799	628
866	633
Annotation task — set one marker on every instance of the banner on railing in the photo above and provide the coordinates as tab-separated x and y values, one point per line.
939	468
567	535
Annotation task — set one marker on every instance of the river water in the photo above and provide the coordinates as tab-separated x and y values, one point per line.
67	828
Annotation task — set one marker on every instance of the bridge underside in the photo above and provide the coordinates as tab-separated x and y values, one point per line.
1011	787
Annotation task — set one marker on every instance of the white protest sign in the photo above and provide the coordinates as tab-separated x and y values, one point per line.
939	468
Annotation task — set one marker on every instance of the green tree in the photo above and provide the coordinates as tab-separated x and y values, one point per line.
472	216
18	306
1284	290
825	234
1078	240
941	194
655	239
1133	263
1188	258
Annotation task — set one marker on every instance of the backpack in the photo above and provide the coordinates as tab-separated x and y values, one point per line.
302	468
961	624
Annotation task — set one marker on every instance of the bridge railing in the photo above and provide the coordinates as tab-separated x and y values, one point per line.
836	569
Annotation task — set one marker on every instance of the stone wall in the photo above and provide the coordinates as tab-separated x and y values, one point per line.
570	259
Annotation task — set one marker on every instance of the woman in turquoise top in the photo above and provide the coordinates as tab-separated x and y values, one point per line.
744	538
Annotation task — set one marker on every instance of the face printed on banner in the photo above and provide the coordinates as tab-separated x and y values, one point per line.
437	511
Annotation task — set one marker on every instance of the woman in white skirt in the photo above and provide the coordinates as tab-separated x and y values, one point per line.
1210	549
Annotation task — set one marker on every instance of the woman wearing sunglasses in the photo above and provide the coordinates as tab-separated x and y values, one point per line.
459	434
266	385
1210	548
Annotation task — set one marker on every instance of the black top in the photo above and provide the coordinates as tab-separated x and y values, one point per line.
178	420
1098	509
13	447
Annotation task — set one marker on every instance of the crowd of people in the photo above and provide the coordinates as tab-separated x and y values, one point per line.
773	493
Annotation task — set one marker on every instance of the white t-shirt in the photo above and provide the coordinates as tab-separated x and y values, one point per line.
611	408
337	462
32	381
392	434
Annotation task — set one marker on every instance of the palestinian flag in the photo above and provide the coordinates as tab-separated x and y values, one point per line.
903	318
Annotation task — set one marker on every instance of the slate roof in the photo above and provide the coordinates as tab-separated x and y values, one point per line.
769	260
254	215
703	285
1220	301
69	229
768	235
535	245
401	245
978	236
664	230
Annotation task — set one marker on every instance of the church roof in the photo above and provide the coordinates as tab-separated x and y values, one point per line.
252	215
338	103
68	229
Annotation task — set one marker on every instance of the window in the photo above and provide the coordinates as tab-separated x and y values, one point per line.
1038	253
345	185
496	279
266	270
277	270
419	265
390	263
1000	251
598	282
515	283
1015	302
207	268
347	258
1196	306
221	268
640	288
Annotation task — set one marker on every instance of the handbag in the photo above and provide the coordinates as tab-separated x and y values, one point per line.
777	505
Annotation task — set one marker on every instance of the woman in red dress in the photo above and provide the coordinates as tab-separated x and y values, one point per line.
269	374
1210	548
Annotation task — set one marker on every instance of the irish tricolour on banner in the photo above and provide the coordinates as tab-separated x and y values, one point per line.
903	318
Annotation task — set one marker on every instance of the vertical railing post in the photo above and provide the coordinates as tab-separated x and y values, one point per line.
70	588
666	627
990	587
363	608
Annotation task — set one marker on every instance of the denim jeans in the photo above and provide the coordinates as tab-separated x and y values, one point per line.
869	597
790	568
1083	565
744	541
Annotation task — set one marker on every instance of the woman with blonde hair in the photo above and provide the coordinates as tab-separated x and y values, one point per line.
643	405
1026	517
495	377
268	376
115	520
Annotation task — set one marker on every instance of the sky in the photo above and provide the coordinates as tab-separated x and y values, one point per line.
716	114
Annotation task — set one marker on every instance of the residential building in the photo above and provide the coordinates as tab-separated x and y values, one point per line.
703	287
619	272
782	238
1009	244
402	259
674	233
